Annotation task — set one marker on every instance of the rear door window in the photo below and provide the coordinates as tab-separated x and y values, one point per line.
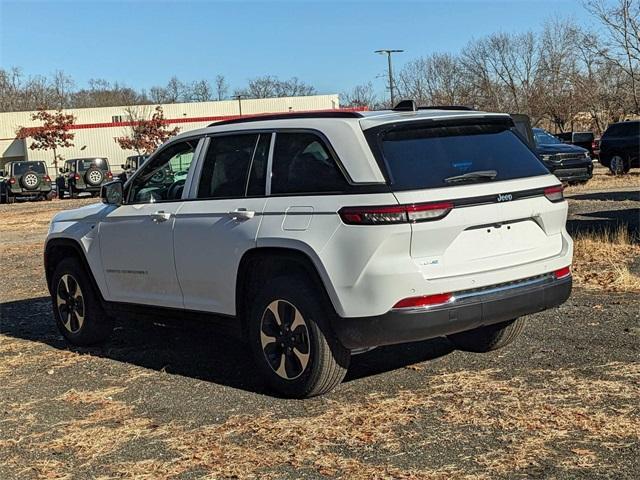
20	168
302	163
420	157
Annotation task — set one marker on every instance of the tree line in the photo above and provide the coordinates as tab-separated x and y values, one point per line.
564	74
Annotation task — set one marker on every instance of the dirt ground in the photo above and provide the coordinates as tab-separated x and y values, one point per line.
183	401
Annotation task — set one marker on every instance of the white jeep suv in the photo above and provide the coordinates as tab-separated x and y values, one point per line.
321	234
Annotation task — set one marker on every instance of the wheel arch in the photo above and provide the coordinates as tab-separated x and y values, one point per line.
268	262
58	249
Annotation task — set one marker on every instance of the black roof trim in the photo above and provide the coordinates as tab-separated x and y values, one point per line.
287	116
447	107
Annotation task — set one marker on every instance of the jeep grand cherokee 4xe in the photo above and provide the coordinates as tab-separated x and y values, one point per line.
319	235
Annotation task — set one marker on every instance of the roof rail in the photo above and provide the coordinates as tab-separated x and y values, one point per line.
405	106
446	107
290	115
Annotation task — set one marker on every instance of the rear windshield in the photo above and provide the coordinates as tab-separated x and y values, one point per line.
425	157
100	163
20	168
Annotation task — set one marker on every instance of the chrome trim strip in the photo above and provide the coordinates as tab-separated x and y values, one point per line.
467	296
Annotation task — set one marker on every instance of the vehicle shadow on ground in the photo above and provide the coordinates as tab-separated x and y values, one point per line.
614	196
608	220
193	349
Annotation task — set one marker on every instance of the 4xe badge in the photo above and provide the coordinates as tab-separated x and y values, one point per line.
505	197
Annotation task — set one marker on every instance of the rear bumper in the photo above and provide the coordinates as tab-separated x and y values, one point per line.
470	309
574	174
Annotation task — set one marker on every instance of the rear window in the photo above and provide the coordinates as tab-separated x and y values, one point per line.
20	168
581	137
100	163
424	157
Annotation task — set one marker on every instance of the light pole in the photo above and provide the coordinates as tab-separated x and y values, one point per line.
239	98
388	52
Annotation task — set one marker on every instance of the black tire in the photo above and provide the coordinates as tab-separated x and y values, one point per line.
10	198
488	338
618	165
83	321
72	191
327	360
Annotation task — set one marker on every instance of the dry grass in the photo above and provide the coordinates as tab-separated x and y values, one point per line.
604	180
560	417
602	261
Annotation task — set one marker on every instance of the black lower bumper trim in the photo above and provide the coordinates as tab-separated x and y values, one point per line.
397	326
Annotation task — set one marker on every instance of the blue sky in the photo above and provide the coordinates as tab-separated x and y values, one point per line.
327	44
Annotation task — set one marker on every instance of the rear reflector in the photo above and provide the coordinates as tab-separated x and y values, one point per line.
392	214
554	194
424	301
562	273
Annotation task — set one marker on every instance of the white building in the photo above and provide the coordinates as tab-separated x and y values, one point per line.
96	129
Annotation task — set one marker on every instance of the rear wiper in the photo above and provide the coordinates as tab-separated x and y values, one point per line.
473	176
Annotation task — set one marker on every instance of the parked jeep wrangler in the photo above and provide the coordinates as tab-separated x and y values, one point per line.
24	179
83	175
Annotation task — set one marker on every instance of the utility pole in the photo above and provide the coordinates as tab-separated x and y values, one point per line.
239	98
388	52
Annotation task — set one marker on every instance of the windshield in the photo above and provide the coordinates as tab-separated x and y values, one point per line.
20	168
100	163
545	138
427	157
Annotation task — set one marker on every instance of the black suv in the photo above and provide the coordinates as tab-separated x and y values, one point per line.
570	163
83	175
26	179
620	146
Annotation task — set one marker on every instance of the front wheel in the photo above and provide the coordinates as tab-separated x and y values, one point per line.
292	340
76	305
488	338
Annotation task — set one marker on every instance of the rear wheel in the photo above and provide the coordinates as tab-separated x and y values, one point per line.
10	198
72	191
488	338
292	340
619	165
76	305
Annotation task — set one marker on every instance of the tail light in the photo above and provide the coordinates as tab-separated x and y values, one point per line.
109	175
12	180
47	178
563	272
554	194
425	301
392	214
76	176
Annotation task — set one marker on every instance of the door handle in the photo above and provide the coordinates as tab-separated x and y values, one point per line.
160	216
242	214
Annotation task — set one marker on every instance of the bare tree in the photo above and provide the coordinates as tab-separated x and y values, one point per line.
360	96
269	86
201	91
221	87
621	41
436	79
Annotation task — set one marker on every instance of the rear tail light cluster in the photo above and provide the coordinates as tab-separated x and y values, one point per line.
76	176
385	215
47	178
554	194
109	175
12	180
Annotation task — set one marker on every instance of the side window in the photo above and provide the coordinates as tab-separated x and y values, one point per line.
158	181
226	166
302	164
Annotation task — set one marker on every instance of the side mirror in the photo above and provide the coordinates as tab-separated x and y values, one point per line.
112	193
123	166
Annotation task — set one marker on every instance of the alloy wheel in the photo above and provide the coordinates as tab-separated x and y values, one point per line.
285	339
70	303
